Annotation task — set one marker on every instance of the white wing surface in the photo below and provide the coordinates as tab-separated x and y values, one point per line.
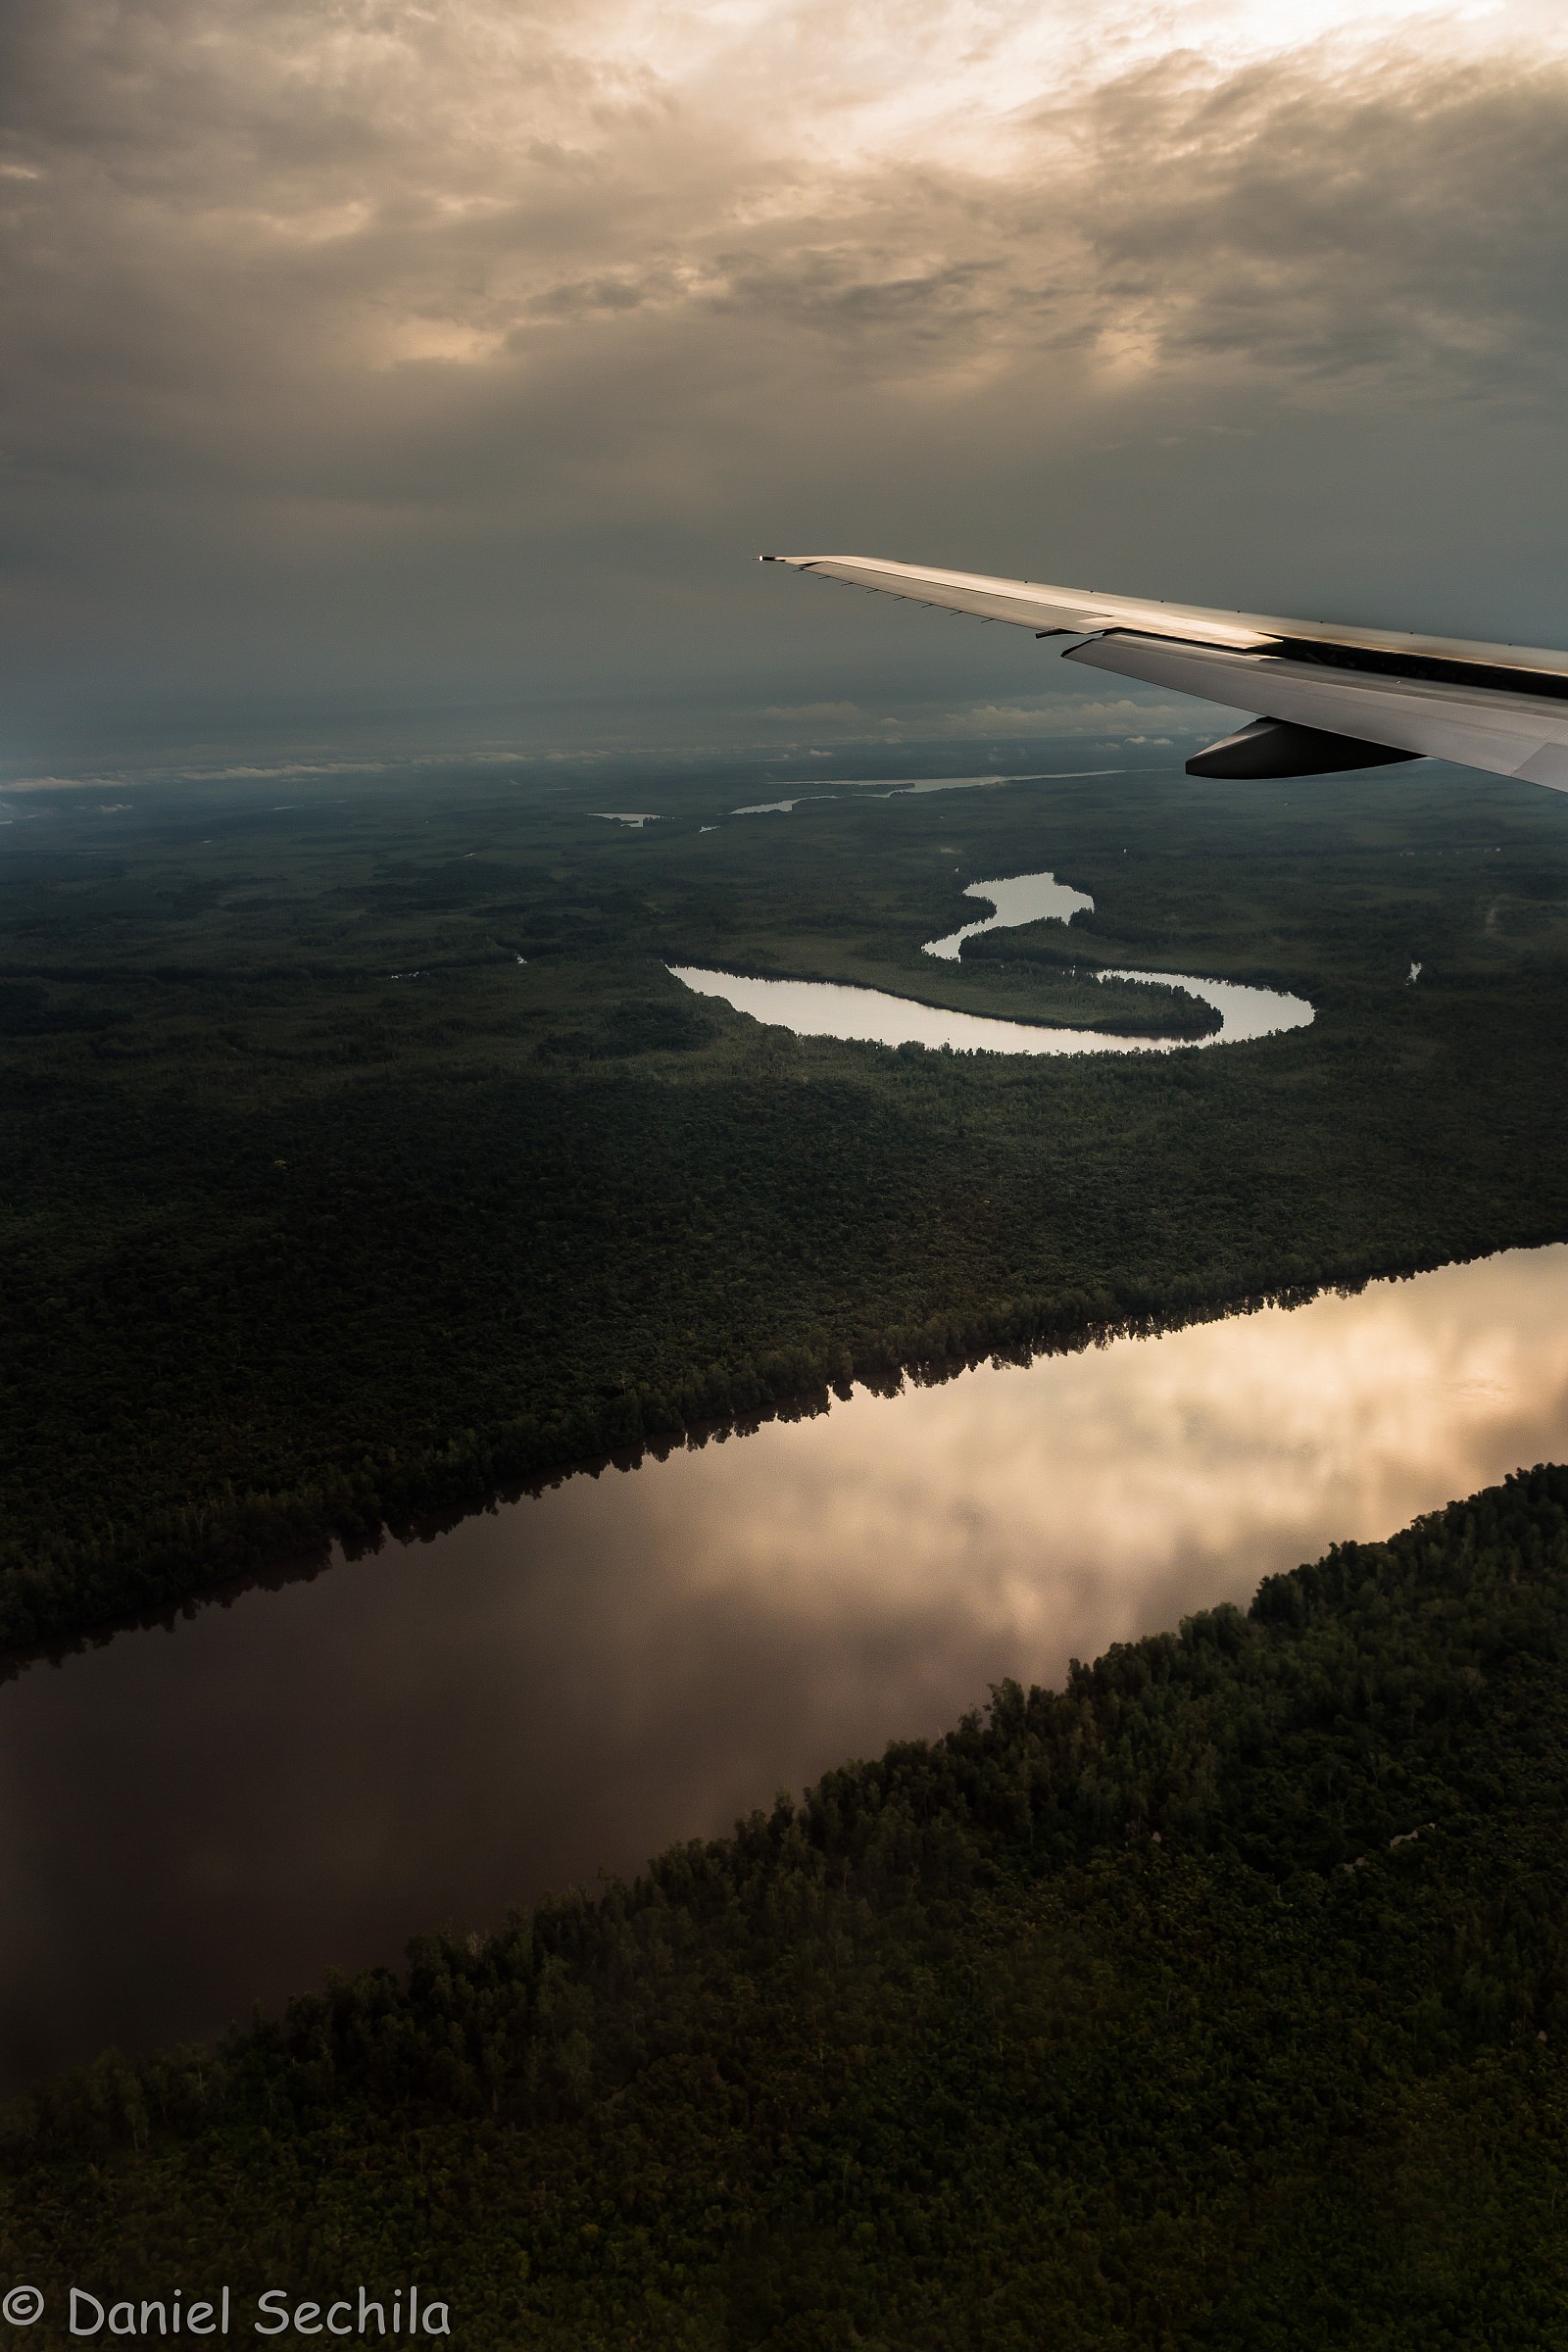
1327	695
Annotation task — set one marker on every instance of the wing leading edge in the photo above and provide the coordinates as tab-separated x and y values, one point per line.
1327	696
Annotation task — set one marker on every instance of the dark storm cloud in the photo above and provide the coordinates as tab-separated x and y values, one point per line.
375	333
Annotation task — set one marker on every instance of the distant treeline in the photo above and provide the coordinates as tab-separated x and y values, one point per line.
359	1161
1219	2000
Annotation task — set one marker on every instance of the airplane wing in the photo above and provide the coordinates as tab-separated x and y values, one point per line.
1327	696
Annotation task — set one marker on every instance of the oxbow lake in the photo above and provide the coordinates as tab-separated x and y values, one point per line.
199	1817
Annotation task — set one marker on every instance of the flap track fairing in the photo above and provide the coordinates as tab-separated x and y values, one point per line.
1276	746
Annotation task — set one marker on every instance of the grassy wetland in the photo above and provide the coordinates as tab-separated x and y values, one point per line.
363	1155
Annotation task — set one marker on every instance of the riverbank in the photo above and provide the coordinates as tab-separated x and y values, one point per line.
1208	2002
323	1209
585	1675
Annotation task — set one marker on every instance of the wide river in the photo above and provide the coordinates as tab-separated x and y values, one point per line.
194	1818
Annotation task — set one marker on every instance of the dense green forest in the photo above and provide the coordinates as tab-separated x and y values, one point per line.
361	1154
1219	2001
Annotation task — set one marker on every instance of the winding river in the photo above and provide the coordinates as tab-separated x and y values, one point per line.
195	1818
872	1016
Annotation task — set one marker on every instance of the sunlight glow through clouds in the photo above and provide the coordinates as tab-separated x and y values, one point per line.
973	175
309	314
763	152
940	82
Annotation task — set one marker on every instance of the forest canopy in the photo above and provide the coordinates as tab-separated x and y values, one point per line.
361	1154
1216	2000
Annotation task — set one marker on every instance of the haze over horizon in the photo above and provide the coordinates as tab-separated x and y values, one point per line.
430	374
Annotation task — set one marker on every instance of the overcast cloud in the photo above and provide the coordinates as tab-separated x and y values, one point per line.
438	359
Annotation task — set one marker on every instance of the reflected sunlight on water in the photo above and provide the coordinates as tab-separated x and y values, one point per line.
870	1016
193	1820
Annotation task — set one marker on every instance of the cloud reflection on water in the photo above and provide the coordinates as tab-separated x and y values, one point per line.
191	1821
1058	1506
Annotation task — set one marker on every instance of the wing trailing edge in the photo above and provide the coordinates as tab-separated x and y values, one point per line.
1336	696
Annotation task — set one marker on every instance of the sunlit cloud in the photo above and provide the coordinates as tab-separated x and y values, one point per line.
307	312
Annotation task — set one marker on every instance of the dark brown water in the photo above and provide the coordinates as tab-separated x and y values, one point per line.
193	1820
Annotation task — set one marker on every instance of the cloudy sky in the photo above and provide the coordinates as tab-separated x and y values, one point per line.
441	364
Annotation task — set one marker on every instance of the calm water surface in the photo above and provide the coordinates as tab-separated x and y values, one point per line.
870	1016
1014	899
192	1820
